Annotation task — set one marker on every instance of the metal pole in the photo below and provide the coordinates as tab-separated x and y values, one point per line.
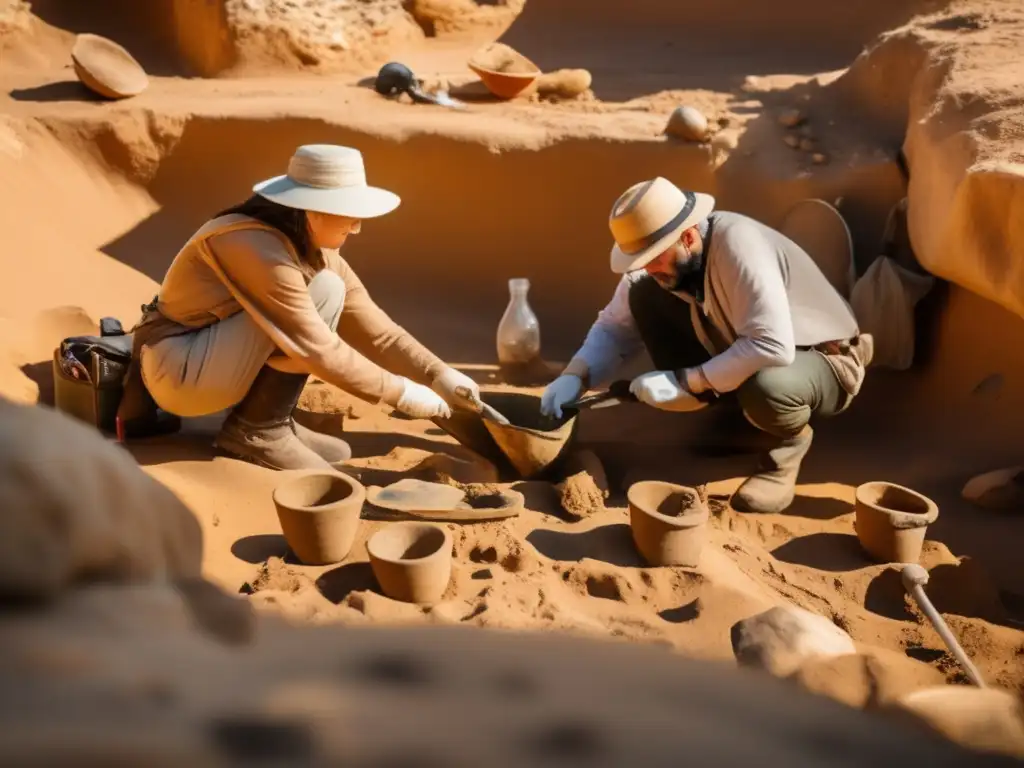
914	579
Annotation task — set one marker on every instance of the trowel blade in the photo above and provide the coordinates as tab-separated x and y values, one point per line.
444	100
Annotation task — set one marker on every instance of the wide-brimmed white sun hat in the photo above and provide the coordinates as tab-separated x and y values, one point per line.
330	179
648	217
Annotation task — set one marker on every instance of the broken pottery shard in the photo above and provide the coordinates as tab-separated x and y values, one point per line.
780	639
411	494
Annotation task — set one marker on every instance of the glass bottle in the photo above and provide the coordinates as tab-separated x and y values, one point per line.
519	331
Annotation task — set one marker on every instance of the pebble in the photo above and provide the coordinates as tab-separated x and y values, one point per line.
338	42
791	118
687	123
791	140
806	145
819	158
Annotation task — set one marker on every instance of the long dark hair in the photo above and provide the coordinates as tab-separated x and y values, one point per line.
289	221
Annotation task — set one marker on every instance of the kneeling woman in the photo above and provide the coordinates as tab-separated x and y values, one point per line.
258	299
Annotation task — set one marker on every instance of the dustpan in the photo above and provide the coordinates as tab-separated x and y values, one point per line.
529	445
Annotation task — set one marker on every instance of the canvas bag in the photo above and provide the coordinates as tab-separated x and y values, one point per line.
885	296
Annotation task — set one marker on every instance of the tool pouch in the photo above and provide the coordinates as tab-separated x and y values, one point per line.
88	374
97	380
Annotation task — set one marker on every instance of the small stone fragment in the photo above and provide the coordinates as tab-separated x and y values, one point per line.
791	118
564	84
999	489
791	141
687	123
819	158
806	145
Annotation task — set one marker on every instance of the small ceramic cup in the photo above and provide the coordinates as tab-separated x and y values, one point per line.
668	522
411	561
319	514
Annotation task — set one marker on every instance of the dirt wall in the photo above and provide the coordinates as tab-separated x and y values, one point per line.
682	37
949	86
441	262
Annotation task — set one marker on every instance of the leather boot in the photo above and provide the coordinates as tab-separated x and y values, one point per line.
331	449
260	428
772	489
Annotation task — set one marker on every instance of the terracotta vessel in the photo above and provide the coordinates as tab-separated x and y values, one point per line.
411	561
669	522
891	521
107	68
319	514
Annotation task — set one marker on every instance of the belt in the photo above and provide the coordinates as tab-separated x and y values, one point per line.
836	347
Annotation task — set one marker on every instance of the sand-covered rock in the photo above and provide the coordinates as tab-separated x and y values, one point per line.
865	680
988	719
999	489
118	675
584	489
77	509
564	84
783	638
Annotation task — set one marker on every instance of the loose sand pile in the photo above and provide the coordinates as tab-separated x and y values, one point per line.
99	198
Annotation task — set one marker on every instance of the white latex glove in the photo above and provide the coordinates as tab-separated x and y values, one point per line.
421	402
562	390
449	384
661	389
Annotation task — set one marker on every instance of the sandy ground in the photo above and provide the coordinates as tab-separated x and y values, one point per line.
102	194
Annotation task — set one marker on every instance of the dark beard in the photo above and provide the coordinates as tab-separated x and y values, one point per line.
687	273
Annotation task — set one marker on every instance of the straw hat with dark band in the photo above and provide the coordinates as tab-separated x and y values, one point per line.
649	217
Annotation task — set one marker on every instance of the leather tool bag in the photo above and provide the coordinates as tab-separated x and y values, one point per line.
96	380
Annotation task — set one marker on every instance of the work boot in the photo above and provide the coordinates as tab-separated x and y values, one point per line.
331	449
772	489
260	428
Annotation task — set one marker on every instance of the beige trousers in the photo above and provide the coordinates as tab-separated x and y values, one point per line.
200	373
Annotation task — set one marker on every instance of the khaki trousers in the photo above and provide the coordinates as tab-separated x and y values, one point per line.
777	400
200	373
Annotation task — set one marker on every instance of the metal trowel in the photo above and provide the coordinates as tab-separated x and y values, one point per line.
487	411
394	78
617	392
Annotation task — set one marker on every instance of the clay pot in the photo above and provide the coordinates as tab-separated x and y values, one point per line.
668	522
891	521
504	71
411	561
319	514
107	68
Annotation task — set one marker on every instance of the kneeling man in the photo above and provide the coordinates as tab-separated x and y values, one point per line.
722	304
